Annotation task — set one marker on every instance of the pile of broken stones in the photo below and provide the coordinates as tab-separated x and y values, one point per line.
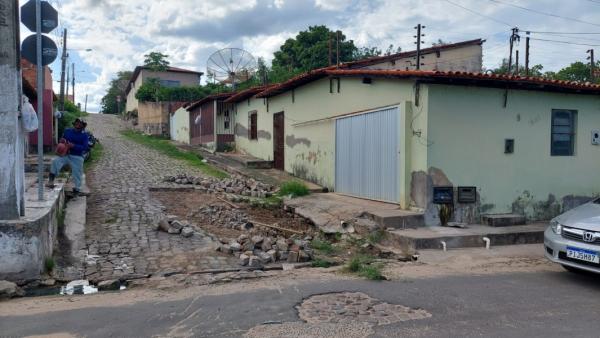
172	225
224	216
257	250
236	184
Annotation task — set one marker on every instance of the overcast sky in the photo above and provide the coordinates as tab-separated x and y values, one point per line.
120	32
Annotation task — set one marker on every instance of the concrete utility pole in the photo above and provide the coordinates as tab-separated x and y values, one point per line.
592	64
73	79
63	65
517	62
418	42
40	98
337	42
513	37
12	204
527	55
85	105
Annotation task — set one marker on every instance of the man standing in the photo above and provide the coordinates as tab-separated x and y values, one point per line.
74	145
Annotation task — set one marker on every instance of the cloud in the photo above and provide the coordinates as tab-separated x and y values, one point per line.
120	32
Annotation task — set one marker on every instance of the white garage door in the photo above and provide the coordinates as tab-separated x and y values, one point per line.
366	161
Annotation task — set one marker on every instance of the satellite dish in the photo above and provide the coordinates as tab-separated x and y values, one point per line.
231	66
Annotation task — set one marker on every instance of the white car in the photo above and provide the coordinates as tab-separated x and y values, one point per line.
573	238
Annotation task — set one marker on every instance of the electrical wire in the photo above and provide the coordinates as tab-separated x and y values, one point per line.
575	33
544	13
479	14
566	42
568	37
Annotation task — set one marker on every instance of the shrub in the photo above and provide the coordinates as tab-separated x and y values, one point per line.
364	266
49	264
294	189
323	246
321	263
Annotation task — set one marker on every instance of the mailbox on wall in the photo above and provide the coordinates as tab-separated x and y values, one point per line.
467	194
443	195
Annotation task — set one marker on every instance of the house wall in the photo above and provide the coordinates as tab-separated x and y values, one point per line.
468	126
185	79
466	58
180	126
310	146
263	146
153	118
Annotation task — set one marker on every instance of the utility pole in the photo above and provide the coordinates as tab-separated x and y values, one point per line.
592	64
527	55
517	62
40	98
73	79
337	42
62	71
329	59
513	37
85	105
11	142
67	83
419	42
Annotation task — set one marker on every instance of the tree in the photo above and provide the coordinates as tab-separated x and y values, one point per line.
440	42
535	70
117	87
156	61
310	50
576	71
148	91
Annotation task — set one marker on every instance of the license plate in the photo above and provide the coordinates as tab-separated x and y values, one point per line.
583	254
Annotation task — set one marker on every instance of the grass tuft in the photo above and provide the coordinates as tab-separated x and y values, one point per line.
322	246
49	264
321	263
364	266
293	188
376	236
95	155
165	146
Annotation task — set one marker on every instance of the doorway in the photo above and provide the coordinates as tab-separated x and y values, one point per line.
278	141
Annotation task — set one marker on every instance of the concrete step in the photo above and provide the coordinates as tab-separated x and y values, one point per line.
503	220
249	161
398	219
31	163
468	237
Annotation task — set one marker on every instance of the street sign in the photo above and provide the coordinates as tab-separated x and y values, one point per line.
49	16
49	50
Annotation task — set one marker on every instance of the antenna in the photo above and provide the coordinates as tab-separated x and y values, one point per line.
231	66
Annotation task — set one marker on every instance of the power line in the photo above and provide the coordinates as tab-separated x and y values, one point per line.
569	37
575	33
479	14
566	42
544	13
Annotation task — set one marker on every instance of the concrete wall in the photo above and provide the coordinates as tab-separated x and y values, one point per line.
153	118
180	127
263	146
467	129
309	129
185	79
26	243
466	58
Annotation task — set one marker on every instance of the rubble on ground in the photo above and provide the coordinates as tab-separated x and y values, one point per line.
236	184
256	250
172	225
10	290
222	215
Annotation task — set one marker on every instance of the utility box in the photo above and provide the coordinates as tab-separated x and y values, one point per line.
596	137
443	195
467	194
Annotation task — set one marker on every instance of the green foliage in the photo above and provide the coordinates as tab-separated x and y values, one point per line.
49	264
364	266
576	71
293	188
95	155
156	61
322	246
321	263
70	113
152	91
117	87
166	147
376	236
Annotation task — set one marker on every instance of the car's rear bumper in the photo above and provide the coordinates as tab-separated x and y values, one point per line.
555	249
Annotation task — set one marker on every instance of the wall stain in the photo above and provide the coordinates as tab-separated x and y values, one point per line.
263	134
241	130
291	141
536	210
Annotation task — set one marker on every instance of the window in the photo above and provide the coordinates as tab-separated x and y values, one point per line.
252	126
169	83
226	123
563	132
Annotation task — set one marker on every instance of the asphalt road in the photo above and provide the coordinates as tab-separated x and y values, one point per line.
549	304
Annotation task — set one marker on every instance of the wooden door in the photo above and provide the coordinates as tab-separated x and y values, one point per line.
278	141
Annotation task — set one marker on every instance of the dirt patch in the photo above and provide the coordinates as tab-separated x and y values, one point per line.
187	205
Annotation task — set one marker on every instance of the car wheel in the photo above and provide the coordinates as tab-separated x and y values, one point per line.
572	269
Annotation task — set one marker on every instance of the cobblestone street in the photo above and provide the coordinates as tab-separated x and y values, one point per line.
120	212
